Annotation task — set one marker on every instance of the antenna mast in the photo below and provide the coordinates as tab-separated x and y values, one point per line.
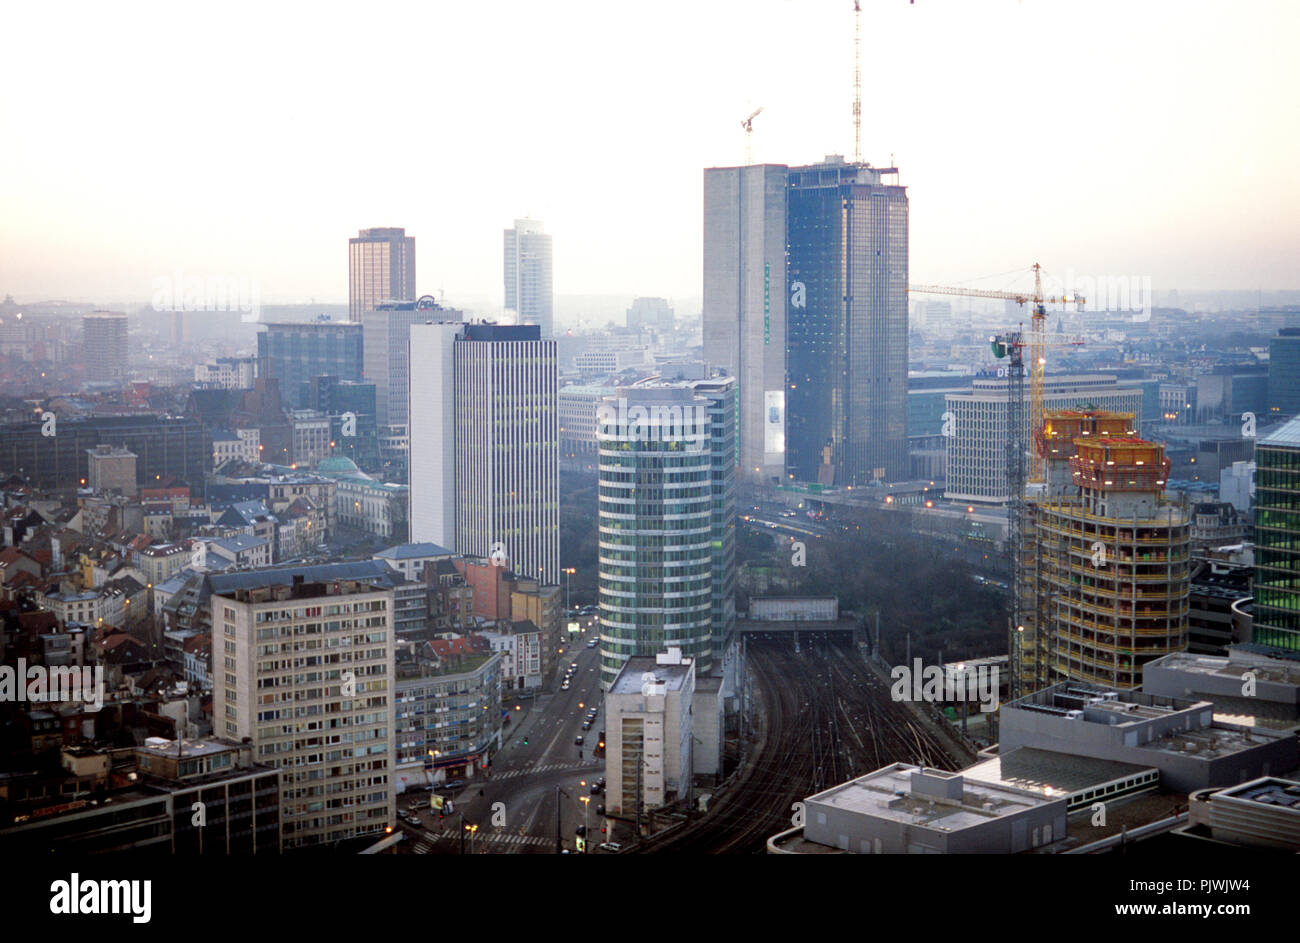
857	82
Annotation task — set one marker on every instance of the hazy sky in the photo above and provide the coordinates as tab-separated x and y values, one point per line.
251	140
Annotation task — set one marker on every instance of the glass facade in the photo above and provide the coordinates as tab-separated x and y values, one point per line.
1277	546
847	324
656	544
294	353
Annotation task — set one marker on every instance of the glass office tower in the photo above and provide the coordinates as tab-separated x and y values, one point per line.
1277	539
846	402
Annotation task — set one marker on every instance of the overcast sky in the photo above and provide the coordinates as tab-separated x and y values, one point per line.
251	140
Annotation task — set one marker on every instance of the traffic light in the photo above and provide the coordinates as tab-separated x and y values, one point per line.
525	741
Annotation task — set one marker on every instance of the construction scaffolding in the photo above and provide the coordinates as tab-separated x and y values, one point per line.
1105	578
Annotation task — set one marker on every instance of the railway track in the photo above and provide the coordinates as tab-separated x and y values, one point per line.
825	719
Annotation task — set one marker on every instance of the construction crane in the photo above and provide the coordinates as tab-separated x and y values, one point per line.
857	82
748	125
1036	336
1011	344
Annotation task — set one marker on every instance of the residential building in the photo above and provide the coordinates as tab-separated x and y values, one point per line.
227	373
307	674
410	559
105	347
448	710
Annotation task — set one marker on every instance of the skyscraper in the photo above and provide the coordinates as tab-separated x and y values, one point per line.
805	303
847	355
381	267
667	518
745	305
484	444
337	769
386	332
105	351
528	275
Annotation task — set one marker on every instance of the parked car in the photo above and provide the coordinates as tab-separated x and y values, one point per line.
586	725
565	685
612	847
578	740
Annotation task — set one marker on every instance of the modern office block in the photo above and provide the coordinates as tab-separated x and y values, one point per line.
745	303
484	444
386	342
381	267
1276	609
657	526
295	352
528	275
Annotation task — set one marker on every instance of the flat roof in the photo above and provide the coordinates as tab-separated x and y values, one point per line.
1282	672
629	678
1051	773
887	794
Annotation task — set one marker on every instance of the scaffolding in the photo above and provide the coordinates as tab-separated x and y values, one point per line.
1105	577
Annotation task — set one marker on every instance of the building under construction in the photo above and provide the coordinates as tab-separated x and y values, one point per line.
1104	577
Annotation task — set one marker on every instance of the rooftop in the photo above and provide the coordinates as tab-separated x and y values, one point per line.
890	793
630	677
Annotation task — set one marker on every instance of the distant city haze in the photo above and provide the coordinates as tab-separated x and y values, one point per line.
1099	138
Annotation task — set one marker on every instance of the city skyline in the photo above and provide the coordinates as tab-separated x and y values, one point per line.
990	192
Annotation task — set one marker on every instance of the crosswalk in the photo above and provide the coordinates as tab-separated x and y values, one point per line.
428	840
546	768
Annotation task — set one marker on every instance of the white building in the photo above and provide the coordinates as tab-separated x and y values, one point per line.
745	304
484	454
649	738
227	373
577	407
977	449
528	275
1237	485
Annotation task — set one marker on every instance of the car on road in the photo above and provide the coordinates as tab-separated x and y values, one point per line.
592	643
573	666
413	820
578	740
611	846
600	810
586	725
595	789
565	685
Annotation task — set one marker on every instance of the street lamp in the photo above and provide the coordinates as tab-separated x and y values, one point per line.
586	834
568	596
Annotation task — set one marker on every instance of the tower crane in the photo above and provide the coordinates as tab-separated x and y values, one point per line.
748	125
1037	338
1012	344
